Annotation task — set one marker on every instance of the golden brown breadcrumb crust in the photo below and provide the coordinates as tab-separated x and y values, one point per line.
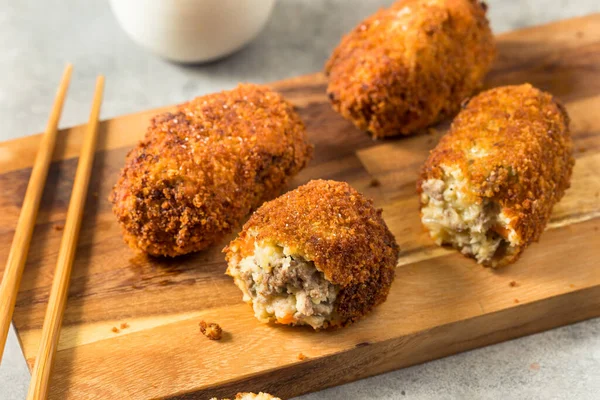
411	65
211	330
340	231
525	133
200	170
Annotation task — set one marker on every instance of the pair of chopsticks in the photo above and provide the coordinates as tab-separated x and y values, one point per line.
38	388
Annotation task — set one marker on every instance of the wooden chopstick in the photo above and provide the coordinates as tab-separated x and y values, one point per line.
40	377
22	238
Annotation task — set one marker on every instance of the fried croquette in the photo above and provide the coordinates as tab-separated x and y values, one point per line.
320	255
489	186
252	396
409	66
201	169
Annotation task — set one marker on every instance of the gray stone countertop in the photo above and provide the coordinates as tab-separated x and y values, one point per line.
36	39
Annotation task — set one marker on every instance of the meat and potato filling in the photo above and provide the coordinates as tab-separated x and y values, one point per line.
284	287
476	227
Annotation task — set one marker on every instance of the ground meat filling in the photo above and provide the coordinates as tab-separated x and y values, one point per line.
476	228
285	288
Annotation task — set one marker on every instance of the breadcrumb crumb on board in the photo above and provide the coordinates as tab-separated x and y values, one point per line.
211	330
374	183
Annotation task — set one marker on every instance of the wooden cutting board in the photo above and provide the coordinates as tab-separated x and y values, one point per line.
441	303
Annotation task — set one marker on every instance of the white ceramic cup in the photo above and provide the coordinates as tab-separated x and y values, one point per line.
192	30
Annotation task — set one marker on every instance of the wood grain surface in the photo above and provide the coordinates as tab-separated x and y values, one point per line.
130	328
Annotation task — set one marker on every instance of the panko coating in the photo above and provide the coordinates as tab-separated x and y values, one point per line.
211	330
201	169
320	255
411	65
489	186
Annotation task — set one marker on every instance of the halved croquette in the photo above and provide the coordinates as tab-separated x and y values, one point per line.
320	255
489	186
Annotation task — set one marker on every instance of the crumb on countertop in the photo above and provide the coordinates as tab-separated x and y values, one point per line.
374	183
571	285
534	366
58	227
513	284
211	330
516	301
251	396
301	357
124	325
115	329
